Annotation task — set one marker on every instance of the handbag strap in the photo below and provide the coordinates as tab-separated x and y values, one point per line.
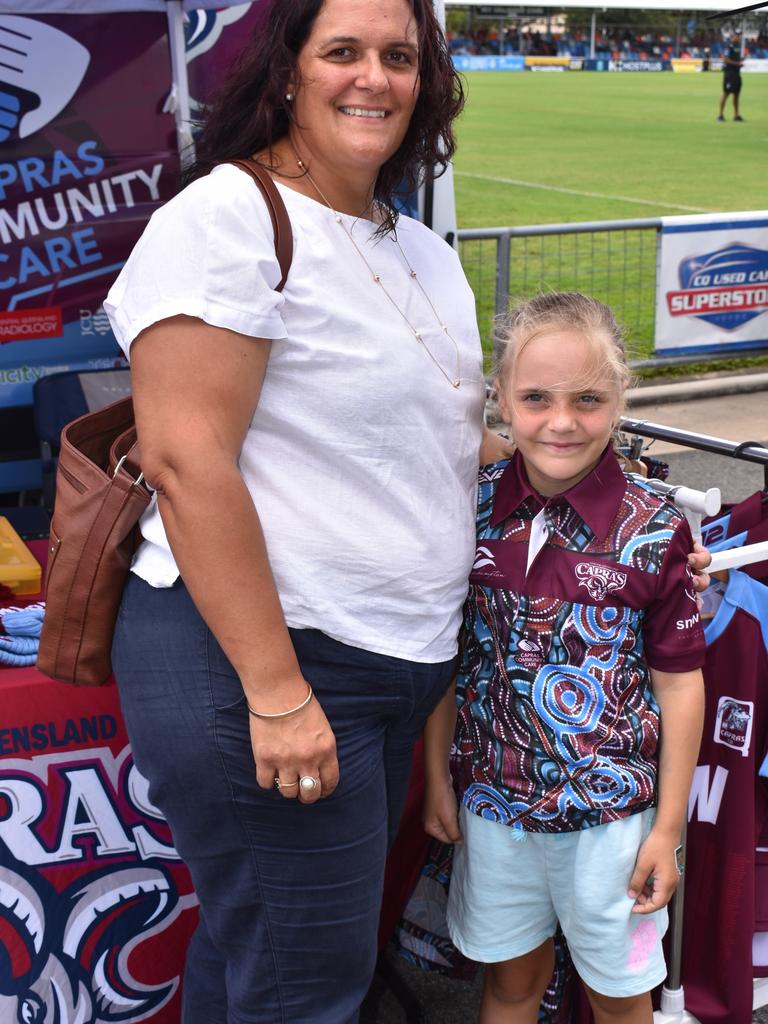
281	222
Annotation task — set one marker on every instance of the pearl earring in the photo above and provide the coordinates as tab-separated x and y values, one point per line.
289	97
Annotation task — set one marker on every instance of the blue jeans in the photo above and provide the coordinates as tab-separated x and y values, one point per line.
289	893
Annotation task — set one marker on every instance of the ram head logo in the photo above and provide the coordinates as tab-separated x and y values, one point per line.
64	956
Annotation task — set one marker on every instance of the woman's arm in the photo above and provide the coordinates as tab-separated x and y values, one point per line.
440	807
680	696
195	390
494	447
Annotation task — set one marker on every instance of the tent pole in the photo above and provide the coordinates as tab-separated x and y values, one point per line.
180	82
592	28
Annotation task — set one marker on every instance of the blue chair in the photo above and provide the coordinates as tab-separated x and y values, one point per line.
62	397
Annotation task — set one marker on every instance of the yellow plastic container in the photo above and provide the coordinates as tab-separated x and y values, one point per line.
19	570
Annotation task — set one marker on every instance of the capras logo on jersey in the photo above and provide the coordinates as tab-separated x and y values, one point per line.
599	580
40	72
727	287
733	724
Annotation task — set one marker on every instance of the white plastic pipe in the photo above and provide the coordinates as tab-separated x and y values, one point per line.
747	554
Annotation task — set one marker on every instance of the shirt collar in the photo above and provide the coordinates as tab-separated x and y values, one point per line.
596	498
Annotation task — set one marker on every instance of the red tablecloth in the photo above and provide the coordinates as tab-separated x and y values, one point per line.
96	908
95	901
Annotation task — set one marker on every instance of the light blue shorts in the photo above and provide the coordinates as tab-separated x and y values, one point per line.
507	896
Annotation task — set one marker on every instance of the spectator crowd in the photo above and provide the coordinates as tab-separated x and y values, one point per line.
620	44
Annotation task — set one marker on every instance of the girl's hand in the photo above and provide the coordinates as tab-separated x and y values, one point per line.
441	812
698	560
290	748
656	876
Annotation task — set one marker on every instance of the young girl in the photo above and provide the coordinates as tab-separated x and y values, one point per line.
581	636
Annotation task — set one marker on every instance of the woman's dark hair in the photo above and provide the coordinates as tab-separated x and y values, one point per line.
250	113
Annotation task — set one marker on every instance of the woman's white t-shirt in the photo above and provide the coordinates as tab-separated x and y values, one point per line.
361	458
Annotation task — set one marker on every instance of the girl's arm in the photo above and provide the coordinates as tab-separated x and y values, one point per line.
441	818
680	696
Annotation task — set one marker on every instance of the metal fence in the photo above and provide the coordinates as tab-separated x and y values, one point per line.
615	261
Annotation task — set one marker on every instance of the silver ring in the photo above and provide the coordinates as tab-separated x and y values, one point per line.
284	785
307	783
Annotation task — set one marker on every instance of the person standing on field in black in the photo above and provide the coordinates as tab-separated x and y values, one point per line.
731	79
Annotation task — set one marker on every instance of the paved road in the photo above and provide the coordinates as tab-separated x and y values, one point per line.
735	418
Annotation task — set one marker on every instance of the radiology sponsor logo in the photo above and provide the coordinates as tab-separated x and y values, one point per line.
27	324
733	724
727	287
600	580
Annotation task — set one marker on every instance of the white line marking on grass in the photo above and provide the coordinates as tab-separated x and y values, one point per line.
577	192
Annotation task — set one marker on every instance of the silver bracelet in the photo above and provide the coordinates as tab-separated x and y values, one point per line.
281	714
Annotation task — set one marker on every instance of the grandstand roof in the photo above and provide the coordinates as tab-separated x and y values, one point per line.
623	5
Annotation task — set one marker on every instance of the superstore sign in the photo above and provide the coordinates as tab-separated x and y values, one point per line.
713	283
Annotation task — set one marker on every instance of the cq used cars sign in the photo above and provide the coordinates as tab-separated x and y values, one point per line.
712	286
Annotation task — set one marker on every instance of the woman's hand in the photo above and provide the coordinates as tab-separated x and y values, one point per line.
441	812
288	749
698	560
656	874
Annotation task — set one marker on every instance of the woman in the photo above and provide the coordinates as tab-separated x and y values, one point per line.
315	454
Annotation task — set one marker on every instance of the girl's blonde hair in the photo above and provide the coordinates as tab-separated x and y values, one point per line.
556	311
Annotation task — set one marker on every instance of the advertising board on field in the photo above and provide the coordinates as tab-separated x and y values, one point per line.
641	65
687	64
608	64
712	283
547	63
488	62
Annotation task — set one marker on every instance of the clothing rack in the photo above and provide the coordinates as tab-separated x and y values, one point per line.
748	451
694	504
748	554
673	998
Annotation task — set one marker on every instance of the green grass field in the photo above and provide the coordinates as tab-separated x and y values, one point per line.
582	146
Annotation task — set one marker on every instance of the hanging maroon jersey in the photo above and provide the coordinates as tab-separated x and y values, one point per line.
726	810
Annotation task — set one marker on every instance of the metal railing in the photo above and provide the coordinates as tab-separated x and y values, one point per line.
613	260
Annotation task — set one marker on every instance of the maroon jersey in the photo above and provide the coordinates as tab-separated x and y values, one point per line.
744	523
727	809
558	725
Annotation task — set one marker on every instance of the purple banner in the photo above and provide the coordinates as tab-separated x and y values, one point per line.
86	155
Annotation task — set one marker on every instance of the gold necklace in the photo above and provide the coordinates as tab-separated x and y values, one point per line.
454	381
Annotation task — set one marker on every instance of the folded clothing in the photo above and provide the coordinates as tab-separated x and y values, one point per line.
20	638
23	621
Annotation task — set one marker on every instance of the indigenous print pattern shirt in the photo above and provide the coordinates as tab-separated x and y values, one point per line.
571	599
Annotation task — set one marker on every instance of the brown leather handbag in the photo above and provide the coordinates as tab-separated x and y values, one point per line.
100	496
